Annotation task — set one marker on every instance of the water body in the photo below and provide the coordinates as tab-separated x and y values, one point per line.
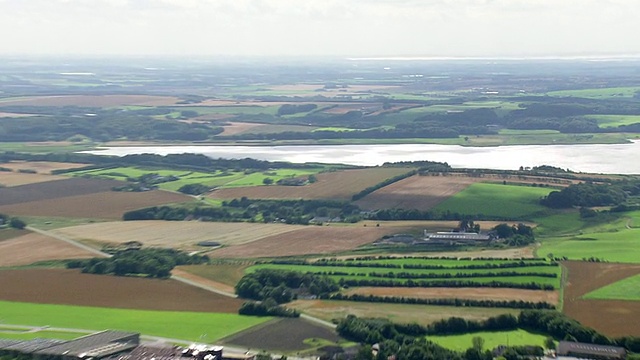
591	158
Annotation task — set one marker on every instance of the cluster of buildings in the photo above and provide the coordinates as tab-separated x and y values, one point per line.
112	345
446	238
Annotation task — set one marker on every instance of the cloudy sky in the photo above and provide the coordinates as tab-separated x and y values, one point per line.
349	28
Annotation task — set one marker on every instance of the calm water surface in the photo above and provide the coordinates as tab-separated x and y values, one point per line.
592	158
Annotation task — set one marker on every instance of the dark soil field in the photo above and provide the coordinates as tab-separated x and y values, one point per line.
70	287
271	335
611	317
108	205
331	185
54	190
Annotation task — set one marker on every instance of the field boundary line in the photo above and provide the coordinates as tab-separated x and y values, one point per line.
202	286
68	240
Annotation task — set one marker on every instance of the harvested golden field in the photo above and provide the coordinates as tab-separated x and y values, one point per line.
611	317
513	253
70	287
309	240
461	293
8	178
41	167
399	313
177	234
234	128
100	205
32	247
330	185
92	100
416	192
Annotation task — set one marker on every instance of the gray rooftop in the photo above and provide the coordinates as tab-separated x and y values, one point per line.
30	346
95	345
568	347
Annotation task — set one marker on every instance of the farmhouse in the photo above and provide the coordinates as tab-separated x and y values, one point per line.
590	351
455	238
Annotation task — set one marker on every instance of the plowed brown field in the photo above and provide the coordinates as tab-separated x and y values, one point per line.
92	100
54	190
460	293
416	192
30	248
177	234
332	185
611	317
70	287
41	167
102	205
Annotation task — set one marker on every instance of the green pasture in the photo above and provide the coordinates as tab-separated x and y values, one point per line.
491	339
42	334
188	326
213	179
497	200
50	223
598	93
609	237
615	246
625	289
527	132
46	147
608	121
230	110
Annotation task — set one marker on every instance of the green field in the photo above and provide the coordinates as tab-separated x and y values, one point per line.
42	334
615	120
599	93
435	275
611	240
491	339
505	201
222	179
625	289
189	326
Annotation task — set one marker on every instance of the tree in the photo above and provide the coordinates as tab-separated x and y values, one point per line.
549	343
267	181
17	223
477	343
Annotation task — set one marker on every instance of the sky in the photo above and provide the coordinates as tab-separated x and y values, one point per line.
331	28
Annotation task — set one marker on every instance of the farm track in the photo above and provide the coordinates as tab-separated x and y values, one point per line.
69	241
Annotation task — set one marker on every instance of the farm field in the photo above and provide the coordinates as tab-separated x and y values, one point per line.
416	192
507	201
221	179
184	325
308	240
540	275
10	179
491	339
71	287
614	245
298	333
400	313
42	334
339	185
615	120
108	205
31	247
226	273
41	167
177	234
53	190
550	297
625	289
90	100
611	317
599	93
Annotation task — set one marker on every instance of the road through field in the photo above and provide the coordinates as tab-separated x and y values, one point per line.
67	240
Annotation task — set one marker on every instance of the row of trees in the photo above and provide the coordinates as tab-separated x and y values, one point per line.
585	194
151	262
512	304
282	285
13	222
382	184
444	283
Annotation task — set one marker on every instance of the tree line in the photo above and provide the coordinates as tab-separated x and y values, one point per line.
443	283
150	262
511	304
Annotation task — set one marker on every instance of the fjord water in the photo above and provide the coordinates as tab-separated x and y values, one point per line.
591	158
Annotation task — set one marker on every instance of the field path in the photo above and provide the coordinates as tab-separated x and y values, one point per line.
69	241
202	283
